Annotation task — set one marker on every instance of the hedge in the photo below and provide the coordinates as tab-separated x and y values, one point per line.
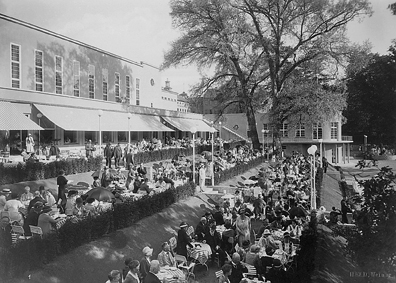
33	171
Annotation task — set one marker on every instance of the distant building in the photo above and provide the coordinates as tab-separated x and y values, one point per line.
335	147
75	91
183	104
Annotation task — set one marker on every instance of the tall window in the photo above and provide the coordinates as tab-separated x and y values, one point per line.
105	81
38	69
58	74
117	87
15	66
317	131
334	130
128	86
91	81
300	131
137	91
266	130
76	78
284	130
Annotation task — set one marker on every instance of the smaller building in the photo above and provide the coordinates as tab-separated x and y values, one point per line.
327	136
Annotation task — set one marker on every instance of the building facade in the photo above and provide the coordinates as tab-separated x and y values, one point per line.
326	136
76	92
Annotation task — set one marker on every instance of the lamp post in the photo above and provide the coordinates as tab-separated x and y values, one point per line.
268	143
365	142
100	113
220	143
320	152
193	131
129	132
262	133
213	131
39	116
312	150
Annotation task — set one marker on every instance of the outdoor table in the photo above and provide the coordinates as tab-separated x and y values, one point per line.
278	254
167	272
200	253
220	229
277	235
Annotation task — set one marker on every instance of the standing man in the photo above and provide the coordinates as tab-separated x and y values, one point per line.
29	144
183	240
325	164
89	148
61	181
117	155
202	177
108	153
344	210
129	159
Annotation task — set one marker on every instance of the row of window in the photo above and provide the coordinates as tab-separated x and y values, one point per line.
39	76
168	98
182	109
317	131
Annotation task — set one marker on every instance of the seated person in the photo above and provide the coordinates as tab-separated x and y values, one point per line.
218	215
160	183
228	238
145	187
37	198
277	223
13	207
201	229
252	255
32	217
213	239
166	257
267	261
90	208
267	240
286	245
168	181
27	196
70	202
136	185
262	228
142	170
45	221
79	209
334	215
47	196
243	250
237	269
295	229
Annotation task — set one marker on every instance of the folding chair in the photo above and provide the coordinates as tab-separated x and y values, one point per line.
219	273
252	272
20	232
183	265
173	244
35	230
190	230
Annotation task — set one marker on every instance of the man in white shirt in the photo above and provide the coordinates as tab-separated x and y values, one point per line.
27	196
165	257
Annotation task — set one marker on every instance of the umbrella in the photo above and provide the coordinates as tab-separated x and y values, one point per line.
249	182
100	194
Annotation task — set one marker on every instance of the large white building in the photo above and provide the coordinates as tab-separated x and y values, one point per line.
74	91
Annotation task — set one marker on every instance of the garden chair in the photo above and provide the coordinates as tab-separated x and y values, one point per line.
18	230
35	230
183	265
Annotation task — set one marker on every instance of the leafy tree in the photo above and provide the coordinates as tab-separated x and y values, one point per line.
255	46
217	36
392	7
374	245
372	100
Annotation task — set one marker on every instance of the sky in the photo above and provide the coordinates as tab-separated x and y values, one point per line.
141	30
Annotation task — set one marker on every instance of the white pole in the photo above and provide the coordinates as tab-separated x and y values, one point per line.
314	189
212	158
193	136
100	113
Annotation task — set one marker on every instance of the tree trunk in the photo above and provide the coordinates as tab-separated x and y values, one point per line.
252	129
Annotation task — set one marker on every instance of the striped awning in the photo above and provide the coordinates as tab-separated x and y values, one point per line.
82	119
185	125
12	118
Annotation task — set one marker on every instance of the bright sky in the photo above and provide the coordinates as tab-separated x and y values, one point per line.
141	30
